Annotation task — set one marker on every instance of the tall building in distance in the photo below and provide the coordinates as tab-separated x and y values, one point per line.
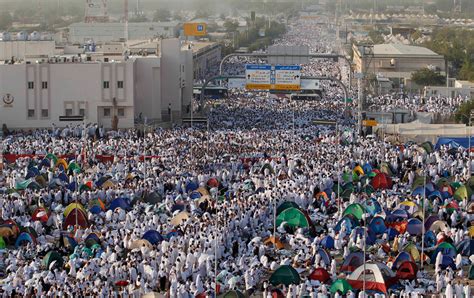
96	11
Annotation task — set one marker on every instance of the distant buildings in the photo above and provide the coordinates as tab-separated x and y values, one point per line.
396	62
106	32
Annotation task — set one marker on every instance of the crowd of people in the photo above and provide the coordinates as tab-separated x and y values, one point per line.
266	202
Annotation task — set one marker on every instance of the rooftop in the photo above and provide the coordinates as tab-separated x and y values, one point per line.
401	49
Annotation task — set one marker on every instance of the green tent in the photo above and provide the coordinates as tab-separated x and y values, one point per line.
442	182
2	243
346	194
294	217
285	205
385	168
419	181
346	177
355	210
462	193
23	185
285	275
233	294
428	147
51	257
52	157
471	272
340	285
74	167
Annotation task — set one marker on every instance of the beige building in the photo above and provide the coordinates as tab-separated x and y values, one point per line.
206	55
396	62
38	94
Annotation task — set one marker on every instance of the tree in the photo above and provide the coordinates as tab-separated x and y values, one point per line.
231	26
463	112
427	77
376	37
202	14
5	20
431	8
162	15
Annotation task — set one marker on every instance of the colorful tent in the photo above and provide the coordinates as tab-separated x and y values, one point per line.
377	225
286	205
295	218
415	226
439	226
402	257
407	270
466	247
413	251
446	249
50	257
153	237
285	275
2	243
352	261
341	286
270	241
356	210
382	181
40	214
76	216
378	277
119	203
320	274
179	218
137	244
73	206
24	238
327	242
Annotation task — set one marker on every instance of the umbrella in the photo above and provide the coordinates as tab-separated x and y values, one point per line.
285	275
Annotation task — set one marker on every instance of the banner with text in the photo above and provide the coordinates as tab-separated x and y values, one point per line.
267	77
287	77
258	76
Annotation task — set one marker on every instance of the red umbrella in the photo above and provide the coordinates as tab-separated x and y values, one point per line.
122	283
213	183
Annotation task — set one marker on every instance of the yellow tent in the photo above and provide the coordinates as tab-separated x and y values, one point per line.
61	162
203	198
413	251
140	243
471	231
203	191
73	206
359	171
178	219
108	184
270	241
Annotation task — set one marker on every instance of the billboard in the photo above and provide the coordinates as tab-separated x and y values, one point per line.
258	76
287	77
194	29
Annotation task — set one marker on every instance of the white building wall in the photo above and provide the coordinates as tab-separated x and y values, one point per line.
147	88
26	49
69	85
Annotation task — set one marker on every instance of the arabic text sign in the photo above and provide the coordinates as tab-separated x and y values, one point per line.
287	77
258	76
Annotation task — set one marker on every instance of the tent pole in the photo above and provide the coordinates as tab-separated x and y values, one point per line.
365	249
423	224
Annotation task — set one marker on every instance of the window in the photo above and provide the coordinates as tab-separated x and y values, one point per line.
120	84
68	112
106	84
31	85
82	112
44	85
121	112
44	113
106	112
31	113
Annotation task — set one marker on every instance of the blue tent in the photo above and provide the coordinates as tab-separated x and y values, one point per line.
119	203
446	262
430	239
392	233
347	222
402	257
72	186
414	226
377	225
446	249
45	163
63	177
466	247
176	207
396	215
420	191
324	256
172	234
435	194
94	237
195	195
328	242
23	238
454	142
191	186
153	237
372	206
367	168
353	261
95	209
